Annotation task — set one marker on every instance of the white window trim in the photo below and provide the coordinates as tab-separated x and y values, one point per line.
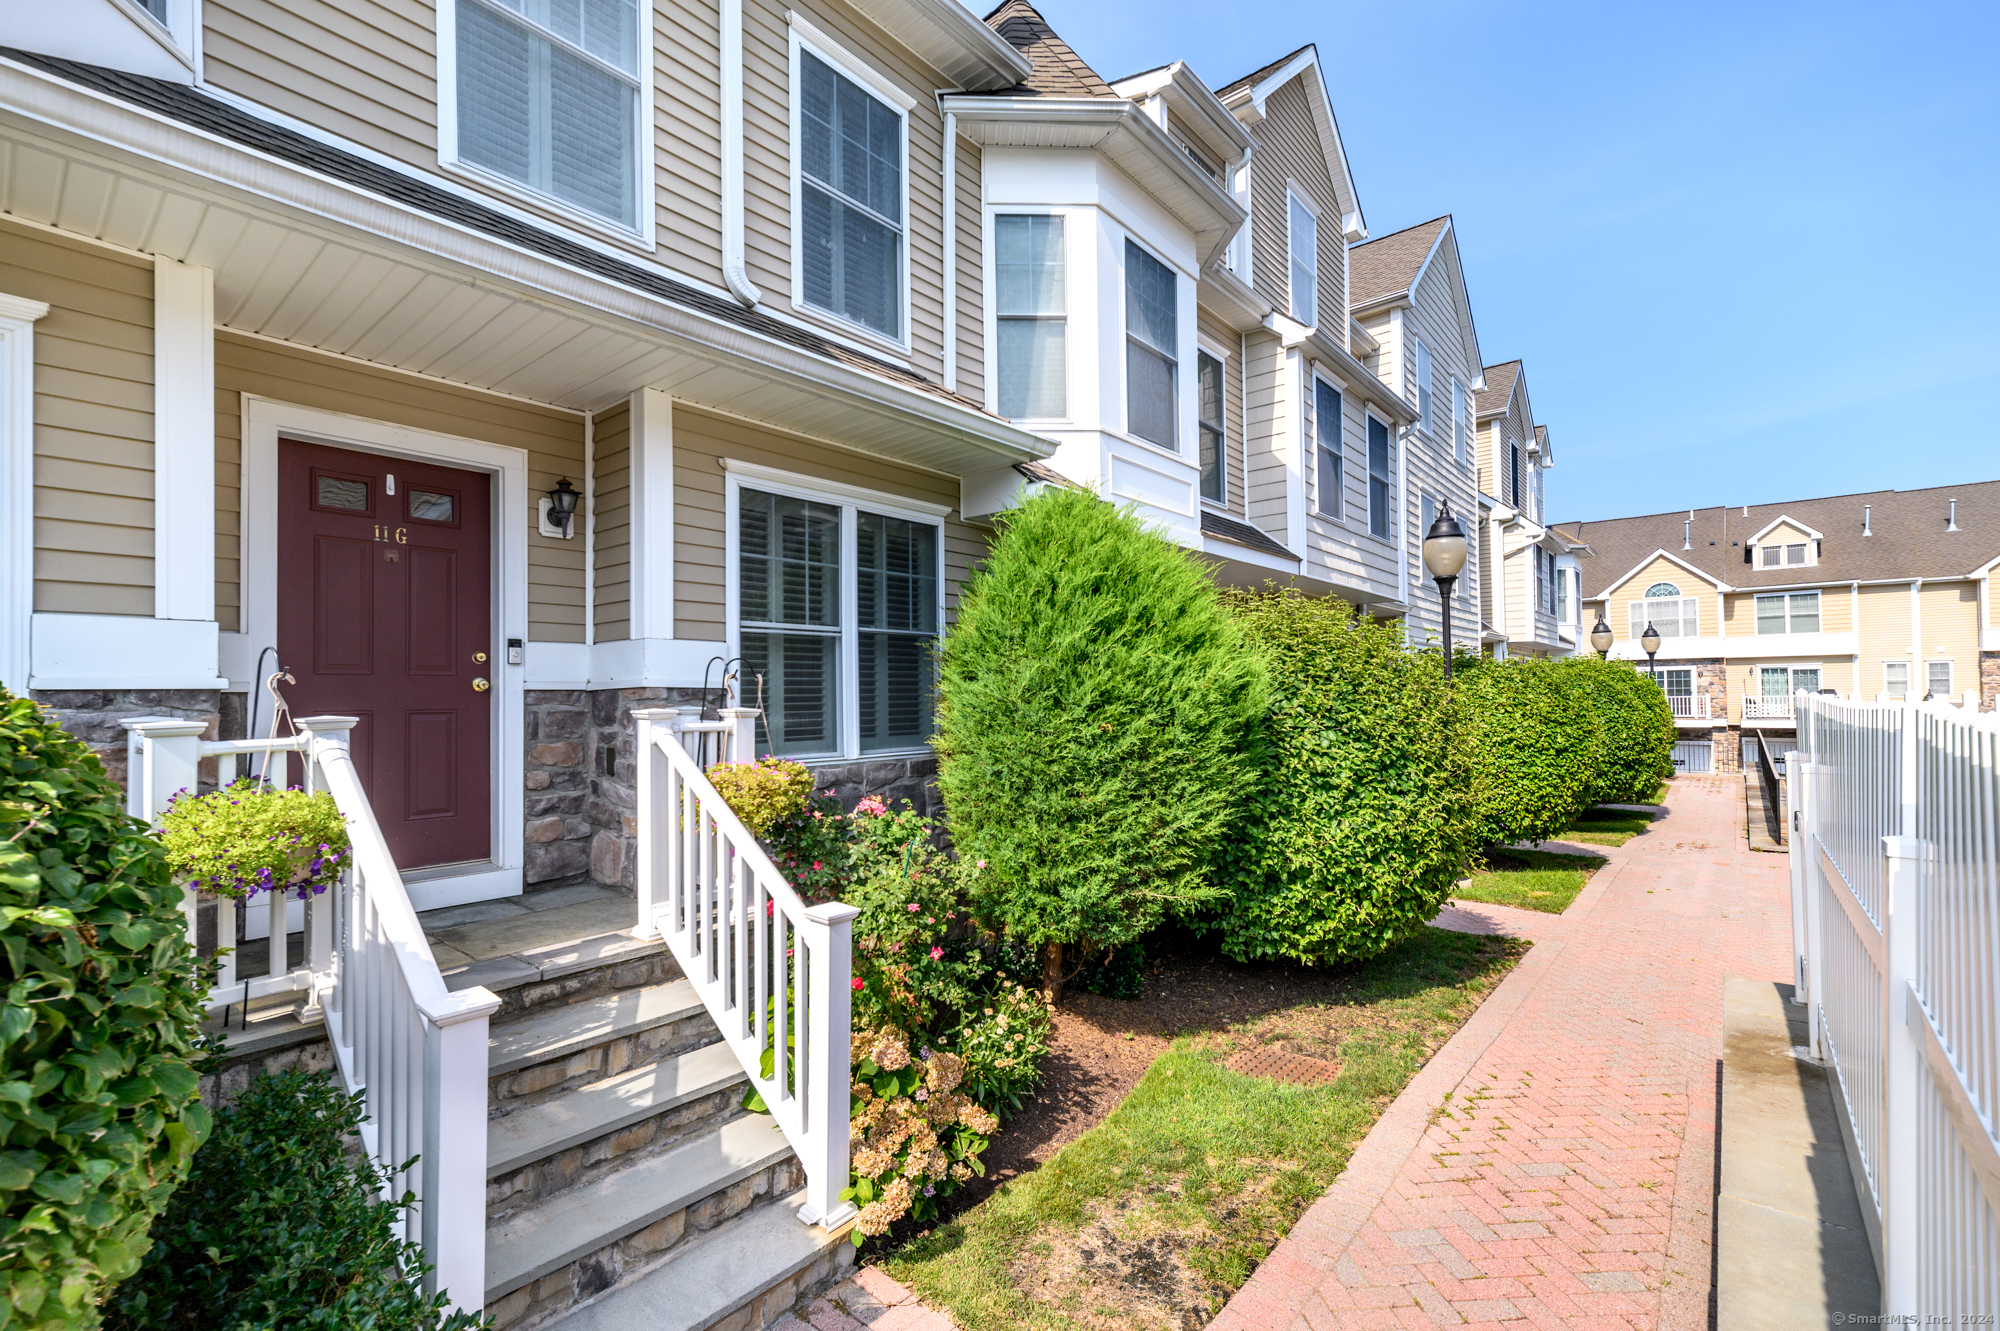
1293	190
180	34
990	263
17	486
1202	345
1946	662
803	36
1908	682
644	177
1369	413
849	499
1314	509
263	421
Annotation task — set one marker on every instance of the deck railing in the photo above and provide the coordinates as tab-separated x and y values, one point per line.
1692	707
415	1049
1767	709
773	972
1896	901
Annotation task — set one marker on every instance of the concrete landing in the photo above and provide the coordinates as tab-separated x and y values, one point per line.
1792	1250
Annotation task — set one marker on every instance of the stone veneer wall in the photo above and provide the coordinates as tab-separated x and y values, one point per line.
93	715
1989	681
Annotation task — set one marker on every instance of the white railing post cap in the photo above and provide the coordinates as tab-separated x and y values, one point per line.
1903	847
328	724
160	727
655	713
463	1005
735	713
832	912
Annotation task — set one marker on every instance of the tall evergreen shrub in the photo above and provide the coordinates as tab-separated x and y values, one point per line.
1637	725
1359	829
98	1029
1534	731
1095	708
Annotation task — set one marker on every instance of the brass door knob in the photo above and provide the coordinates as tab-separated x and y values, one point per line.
480	686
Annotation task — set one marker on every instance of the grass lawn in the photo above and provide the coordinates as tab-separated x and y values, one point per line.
1606	827
1530	880
1159	1213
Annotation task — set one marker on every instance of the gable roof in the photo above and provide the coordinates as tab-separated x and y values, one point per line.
1788	520
1259	75
1909	540
1245	97
1498	394
1390	265
1058	70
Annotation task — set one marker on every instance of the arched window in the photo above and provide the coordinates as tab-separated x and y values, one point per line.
1663	589
1671	614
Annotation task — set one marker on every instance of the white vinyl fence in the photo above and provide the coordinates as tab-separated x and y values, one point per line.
417	1050
772	971
1896	921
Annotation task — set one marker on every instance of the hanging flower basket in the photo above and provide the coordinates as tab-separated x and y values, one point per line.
251	837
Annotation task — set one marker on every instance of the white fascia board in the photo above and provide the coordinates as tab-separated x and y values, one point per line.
1359	378
124	652
1668	555
952	40
1353	225
1783	520
297	195
1187	96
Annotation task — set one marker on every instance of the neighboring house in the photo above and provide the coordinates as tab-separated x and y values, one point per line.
1412	312
1872	596
1531	603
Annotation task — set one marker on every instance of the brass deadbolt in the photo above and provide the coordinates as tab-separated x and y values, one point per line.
479	658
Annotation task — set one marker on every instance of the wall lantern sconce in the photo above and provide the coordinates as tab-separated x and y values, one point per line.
558	510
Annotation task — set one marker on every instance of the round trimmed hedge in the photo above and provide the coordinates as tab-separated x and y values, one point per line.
1357	829
1095	707
98	1031
1637	725
1534	731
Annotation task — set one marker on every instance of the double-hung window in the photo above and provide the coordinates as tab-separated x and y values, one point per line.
1896	679
797	633
1304	244
1938	678
1152	348
1332	487
1795	554
1030	305
1214	433
1671	614
1424	390
1514	474
1562	595
850	199
1460	420
549	96
1796	612
1378	477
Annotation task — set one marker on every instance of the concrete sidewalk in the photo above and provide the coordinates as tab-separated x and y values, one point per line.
1555	1164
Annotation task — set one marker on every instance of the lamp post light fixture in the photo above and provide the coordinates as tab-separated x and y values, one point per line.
1600	635
1444	556
1650	640
562	505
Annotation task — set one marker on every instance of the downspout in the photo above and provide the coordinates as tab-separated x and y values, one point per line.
950	250
734	271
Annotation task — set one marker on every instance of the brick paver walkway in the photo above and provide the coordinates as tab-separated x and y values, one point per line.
870	1299
1554	1164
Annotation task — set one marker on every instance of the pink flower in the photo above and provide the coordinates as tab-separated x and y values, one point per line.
817	864
871	805
936	952
857	983
981	864
913	908
770	909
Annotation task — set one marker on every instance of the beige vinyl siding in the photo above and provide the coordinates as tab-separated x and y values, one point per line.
1950	626
612	527
552	439
1267	434
702	440
1885	636
1836	612
766	166
93	412
365	70
1231	343
1289	148
971	242
1434	471
1619	613
687	143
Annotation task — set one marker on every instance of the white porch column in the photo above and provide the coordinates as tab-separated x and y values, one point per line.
183	441
652	445
17	485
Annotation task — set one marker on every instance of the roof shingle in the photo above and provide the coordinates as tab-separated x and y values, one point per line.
1499	387
1058	70
1387	265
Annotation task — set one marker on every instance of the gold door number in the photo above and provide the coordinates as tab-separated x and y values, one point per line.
400	535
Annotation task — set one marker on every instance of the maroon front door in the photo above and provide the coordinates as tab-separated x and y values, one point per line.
385	613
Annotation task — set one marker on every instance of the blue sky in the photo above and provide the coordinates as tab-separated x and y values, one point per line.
1746	251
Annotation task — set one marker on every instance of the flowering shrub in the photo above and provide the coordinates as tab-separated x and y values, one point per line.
763	792
252	837
915	1136
1002	1046
811	848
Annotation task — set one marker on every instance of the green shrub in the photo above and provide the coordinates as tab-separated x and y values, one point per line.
98	1033
1095	709
764	792
1637	724
253	837
276	1229
1533	726
1354	837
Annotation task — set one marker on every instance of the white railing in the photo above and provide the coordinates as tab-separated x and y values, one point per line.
1766	709
1896	904
417	1050
1693	707
773	971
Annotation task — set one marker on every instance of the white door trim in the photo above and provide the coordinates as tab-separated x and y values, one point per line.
263	420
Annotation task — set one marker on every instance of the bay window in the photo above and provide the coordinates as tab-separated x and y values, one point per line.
1152	348
837	612
850	198
548	95
1030	304
1214	433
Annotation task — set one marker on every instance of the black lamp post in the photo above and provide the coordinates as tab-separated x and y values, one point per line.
1650	640
1444	556
1600	635
562	505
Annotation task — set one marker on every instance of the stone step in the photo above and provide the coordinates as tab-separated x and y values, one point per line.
577	1244
543	949
604	1107
549	1051
741	1277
